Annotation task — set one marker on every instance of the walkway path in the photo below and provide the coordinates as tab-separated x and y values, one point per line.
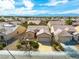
12	46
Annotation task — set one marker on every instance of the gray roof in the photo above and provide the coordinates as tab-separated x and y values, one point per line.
34	21
65	33
64	27
41	31
7	28
33	28
56	22
61	32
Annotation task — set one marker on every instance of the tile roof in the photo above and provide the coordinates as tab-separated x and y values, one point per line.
63	27
34	21
56	22
62	33
41	31
7	28
39	28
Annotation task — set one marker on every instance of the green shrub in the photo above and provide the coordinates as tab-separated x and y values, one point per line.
57	46
32	23
18	46
61	48
2	20
34	44
68	22
1	47
23	42
4	44
25	24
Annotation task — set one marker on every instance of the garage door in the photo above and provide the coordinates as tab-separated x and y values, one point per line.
45	41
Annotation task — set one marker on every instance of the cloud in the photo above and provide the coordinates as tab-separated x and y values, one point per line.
54	2
24	11
7	4
74	11
28	3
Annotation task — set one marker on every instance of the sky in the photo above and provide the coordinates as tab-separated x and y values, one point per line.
39	7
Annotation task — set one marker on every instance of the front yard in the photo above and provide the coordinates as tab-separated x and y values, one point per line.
23	46
43	48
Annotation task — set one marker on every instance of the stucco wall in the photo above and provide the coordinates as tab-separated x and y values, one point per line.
64	38
29	35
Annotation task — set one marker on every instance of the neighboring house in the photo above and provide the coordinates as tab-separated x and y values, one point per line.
76	34
37	22
44	36
76	23
62	36
62	33
2	37
51	23
68	28
22	20
16	22
77	28
8	31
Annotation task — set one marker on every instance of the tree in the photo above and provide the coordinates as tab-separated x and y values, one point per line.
2	20
35	45
32	23
69	21
25	24
18	46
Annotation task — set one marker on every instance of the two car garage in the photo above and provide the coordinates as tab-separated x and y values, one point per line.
44	39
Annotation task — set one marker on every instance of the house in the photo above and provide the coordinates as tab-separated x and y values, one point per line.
9	31
62	33
77	28
76	34
55	22
37	22
44	36
68	28
39	32
30	34
16	22
62	36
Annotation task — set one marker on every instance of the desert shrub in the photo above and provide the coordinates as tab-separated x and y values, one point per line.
1	47
18	46
58	46
34	44
68	22
23	42
4	44
25	24
32	23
